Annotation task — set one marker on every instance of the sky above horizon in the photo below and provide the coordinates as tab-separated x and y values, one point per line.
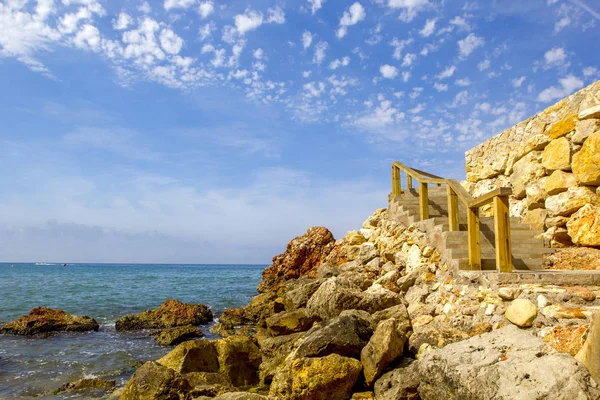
207	131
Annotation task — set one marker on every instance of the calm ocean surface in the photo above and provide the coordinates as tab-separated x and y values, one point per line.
35	367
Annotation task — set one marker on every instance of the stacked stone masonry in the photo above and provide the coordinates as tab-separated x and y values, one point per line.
552	163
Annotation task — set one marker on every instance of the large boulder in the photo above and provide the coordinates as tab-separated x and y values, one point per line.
327	378
192	356
557	155
176	335
584	226
508	363
384	347
521	312
401	383
239	359
86	385
168	315
287	322
153	381
301	258
526	170
586	162
260	307
298	297
334	296
48	320
559	182
589	354
345	335
274	351
566	203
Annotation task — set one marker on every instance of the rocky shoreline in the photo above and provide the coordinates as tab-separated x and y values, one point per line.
377	315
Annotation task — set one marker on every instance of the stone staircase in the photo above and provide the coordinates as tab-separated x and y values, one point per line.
528	251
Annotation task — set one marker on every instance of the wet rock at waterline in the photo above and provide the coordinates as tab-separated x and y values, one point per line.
170	314
47	320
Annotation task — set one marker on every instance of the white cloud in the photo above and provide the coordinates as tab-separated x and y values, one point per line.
335	64
410	8
589	71
469	44
248	21
320	50
440	87
122	22
568	85
275	15
170	4
315	5
460	99
313	89
170	42
145	8
353	16
460	23
306	39
381	117
405	76
463	82
447	73
258	53
429	28
399	45
306	74
418	108
485	64
88	38
409	59
561	24
517	82
206	8
485	107
555	57
206	30
388	71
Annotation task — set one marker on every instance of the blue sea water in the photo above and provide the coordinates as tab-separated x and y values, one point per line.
35	367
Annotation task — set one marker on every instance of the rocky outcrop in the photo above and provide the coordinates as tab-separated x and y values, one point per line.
584	226
48	320
326	378
170	314
174	336
384	347
504	364
153	381
301	258
589	354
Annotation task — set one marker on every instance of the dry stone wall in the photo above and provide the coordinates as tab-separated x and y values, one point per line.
552	163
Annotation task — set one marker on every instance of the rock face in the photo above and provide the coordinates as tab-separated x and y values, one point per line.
521	312
285	323
401	383
301	258
557	155
584	226
153	381
192	356
170	314
506	364
48	320
179	334
589	355
327	378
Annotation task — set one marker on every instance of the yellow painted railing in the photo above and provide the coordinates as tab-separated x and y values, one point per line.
498	197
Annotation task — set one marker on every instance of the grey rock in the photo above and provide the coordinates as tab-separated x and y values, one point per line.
298	297
401	383
327	270
508	363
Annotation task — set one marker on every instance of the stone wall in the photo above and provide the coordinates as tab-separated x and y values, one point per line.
552	163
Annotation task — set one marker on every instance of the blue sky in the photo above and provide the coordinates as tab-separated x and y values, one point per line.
199	131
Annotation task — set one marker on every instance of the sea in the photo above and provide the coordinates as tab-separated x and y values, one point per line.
34	367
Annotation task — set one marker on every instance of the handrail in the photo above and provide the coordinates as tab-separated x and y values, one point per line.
499	197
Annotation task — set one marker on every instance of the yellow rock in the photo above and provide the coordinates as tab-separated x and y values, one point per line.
521	312
589	354
566	203
557	155
536	218
559	182
354	238
586	162
584	226
562	127
352	252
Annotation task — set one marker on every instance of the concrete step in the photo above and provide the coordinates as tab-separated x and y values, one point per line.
489	264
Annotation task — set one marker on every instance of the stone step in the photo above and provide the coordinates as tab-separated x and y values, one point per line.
518	264
491	253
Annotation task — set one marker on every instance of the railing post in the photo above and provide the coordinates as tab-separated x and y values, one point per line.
409	181
395	181
424	201
502	233
473	238
452	210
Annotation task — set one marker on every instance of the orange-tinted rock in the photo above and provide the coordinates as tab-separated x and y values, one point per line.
301	258
567	339
580	258
46	320
170	314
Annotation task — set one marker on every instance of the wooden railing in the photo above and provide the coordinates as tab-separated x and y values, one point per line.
499	198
